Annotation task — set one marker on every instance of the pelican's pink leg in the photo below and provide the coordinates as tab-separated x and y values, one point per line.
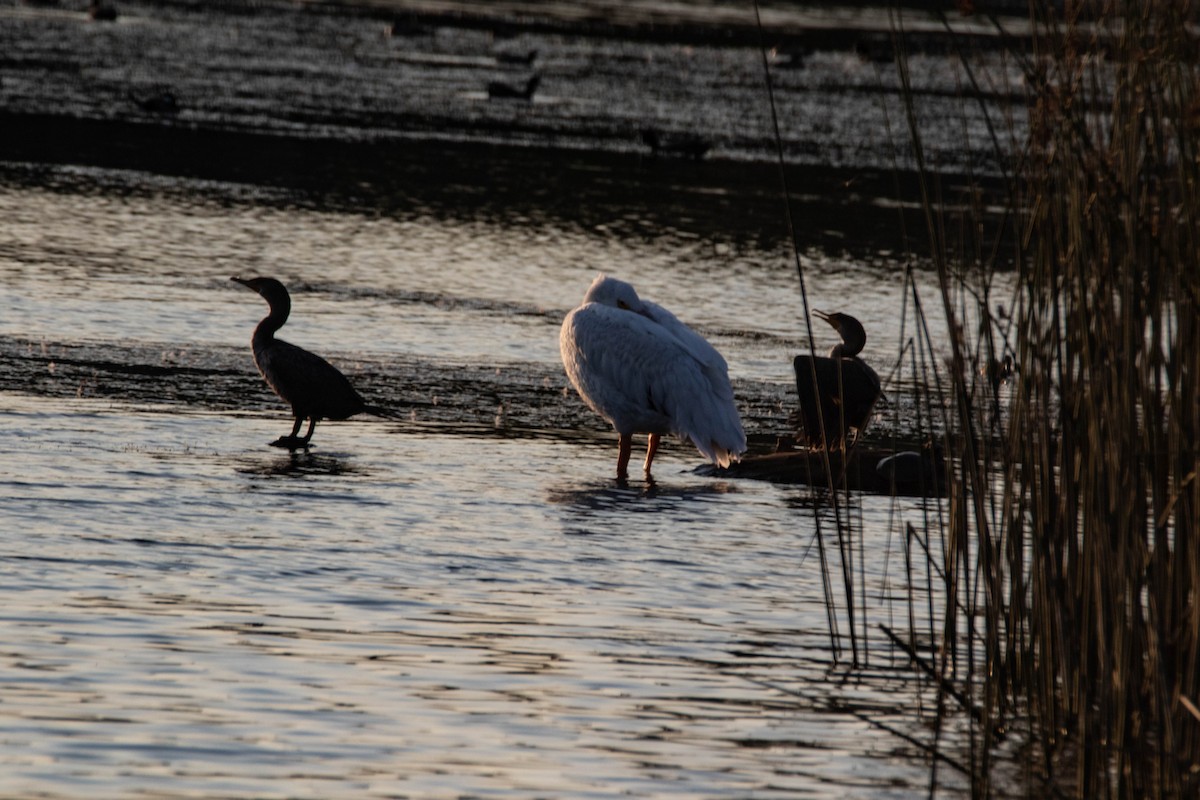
625	443
651	449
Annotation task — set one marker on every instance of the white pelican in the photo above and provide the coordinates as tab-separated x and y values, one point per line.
644	371
313	387
846	387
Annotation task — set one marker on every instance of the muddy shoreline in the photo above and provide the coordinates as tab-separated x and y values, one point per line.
315	100
505	399
835	210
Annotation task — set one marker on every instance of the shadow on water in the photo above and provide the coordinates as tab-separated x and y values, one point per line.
299	464
637	496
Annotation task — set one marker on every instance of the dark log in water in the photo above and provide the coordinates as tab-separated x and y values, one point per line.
866	468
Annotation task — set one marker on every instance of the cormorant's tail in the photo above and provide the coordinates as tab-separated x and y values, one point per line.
386	413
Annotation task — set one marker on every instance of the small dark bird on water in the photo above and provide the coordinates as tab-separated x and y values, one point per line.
159	102
101	12
499	90
313	387
685	145
407	25
845	387
509	57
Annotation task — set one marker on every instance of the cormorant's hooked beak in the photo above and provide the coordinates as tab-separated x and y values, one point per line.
240	280
826	317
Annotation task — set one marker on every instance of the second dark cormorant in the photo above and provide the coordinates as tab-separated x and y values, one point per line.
842	388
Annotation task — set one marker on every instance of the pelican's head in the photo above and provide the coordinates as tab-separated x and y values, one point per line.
851	331
274	292
616	293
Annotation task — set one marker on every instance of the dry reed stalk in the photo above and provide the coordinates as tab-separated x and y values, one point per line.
1072	564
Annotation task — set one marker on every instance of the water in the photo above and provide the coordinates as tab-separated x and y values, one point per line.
415	608
459	602
402	613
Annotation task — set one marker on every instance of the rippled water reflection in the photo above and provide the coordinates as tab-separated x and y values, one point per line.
415	608
401	614
155	267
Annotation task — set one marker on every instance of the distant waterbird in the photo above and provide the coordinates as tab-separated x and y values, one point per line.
406	25
501	90
791	58
162	101
685	145
313	387
517	58
644	371
838	392
101	12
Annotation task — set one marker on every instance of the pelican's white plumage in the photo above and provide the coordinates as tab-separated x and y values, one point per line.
644	371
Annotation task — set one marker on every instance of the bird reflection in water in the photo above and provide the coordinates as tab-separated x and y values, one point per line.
601	497
300	464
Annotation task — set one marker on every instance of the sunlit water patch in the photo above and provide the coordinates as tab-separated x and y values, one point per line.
155	267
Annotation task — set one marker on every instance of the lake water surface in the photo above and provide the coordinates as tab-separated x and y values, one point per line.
461	601
416	607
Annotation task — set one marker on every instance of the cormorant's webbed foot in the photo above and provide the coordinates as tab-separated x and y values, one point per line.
292	442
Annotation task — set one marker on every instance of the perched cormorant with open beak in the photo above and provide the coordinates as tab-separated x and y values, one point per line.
837	392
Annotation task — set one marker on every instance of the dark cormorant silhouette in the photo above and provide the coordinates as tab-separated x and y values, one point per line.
502	90
162	101
845	388
101	12
406	25
313	387
685	145
509	57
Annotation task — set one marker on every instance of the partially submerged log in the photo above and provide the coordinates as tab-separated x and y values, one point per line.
865	468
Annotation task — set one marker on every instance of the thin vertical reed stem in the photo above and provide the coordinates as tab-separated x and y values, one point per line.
1071	557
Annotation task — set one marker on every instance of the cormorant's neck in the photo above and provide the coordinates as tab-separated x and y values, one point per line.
280	308
846	350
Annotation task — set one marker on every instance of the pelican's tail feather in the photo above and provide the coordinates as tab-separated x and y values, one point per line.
721	446
713	423
723	457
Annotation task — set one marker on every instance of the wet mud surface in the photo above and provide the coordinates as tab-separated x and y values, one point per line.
512	400
317	97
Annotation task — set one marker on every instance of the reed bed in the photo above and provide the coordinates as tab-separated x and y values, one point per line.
1067	560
